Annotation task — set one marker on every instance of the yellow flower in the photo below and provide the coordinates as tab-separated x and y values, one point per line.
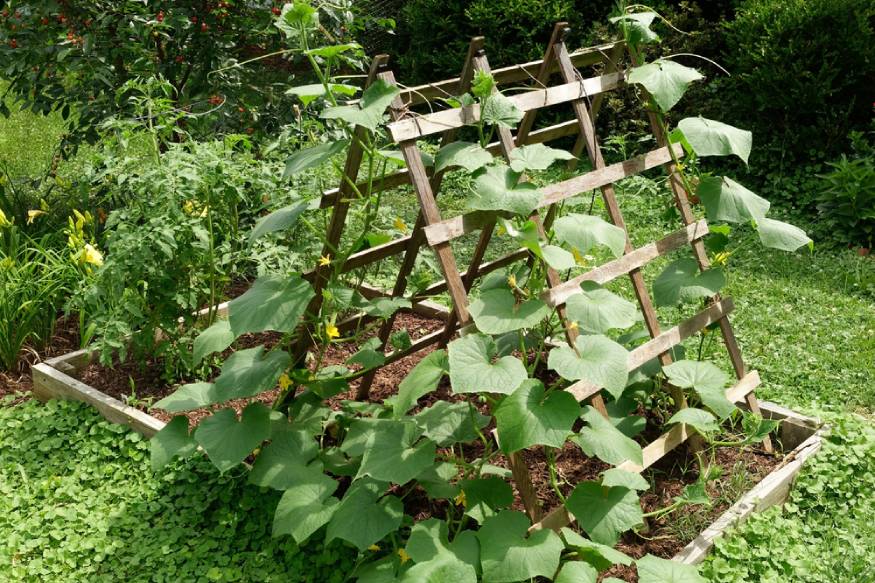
501	230
722	257
93	256
572	325
4	222
285	381
578	258
511	280
400	224
374	548
460	499
331	331
32	214
325	260
404	556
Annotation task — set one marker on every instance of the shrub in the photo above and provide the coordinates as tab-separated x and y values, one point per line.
847	199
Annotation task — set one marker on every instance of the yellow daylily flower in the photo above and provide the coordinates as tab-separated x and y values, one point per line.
400	224
4	222
33	214
92	255
325	260
285	382
460	499
331	331
404	556
374	548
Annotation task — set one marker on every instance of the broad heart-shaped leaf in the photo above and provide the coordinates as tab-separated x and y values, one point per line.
497	188
700	420
385	307
329	51
362	518
557	257
272	303
423	379
447	423
598	555
601	439
527	418
216	338
249	372
577	572
665	80
173	440
706	379
445	569
624	479
312	157
188	397
305	507
729	201
484	497
713	138
638	24
278	220
655	570
368	112
599	360
228	441
395	454
597	310
469	156
784	236
604	513
536	157
501	111
583	232
309	93
284	462
438	560
681	282
472	369
497	312
507	555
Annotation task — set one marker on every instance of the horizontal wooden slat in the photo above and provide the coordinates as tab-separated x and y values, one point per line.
553	193
627	263
653	452
425	125
581	58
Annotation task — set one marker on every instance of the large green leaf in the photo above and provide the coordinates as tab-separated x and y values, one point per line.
368	112
536	157
638	24
249	372
285	462
528	417
396	454
216	338
188	397
681	282
447	423
305	507
783	236
438	560
309	93
173	440
598	555
497	188
423	379
501	111
577	572
625	479
329	51
272	303
598	359
557	257
706	379
228	441
713	138
384	307
278	220
604	513
655	570
507	555
362	517
497	312
472	369
729	201
665	80
584	232
484	497
601	439
469	156
312	157
700	420
597	310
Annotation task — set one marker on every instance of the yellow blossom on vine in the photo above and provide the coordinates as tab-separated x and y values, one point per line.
92	255
722	257
511	280
460	499
4	222
325	260
578	258
400	224
331	331
404	556
374	548
33	214
501	230
572	325
285	381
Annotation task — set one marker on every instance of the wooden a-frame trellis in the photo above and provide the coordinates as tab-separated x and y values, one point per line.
583	95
